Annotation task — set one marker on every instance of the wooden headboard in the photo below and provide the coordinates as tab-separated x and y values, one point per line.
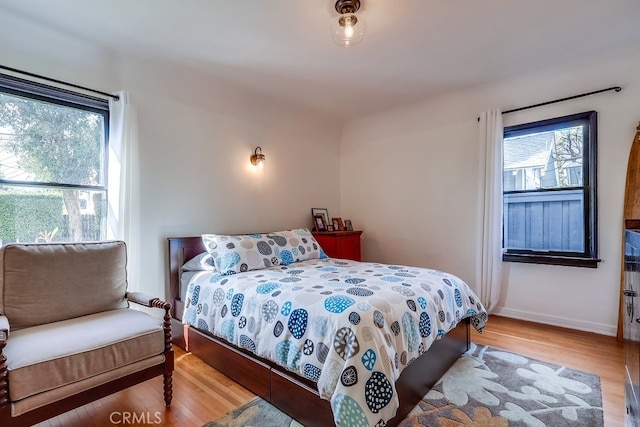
181	249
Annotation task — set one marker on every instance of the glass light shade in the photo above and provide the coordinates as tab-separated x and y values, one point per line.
348	29
257	158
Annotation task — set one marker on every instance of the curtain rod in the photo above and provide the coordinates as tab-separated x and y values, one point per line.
616	88
26	73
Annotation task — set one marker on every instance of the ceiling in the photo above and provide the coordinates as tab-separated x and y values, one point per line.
413	49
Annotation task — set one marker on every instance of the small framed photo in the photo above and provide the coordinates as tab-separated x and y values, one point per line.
330	227
347	225
318	222
322	212
338	225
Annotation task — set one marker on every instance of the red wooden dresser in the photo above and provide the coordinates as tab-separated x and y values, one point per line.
340	244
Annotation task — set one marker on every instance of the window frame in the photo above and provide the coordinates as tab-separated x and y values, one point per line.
42	92
589	256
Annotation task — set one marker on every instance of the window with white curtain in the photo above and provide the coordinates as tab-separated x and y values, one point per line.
549	184
53	163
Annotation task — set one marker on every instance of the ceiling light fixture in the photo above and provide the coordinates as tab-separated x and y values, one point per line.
348	29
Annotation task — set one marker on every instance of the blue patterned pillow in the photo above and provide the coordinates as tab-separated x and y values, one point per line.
238	253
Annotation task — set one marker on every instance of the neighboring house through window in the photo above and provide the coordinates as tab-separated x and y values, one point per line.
549	182
53	163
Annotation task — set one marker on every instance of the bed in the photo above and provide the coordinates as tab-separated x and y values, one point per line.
313	379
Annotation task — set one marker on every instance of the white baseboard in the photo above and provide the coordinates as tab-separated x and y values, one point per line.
596	328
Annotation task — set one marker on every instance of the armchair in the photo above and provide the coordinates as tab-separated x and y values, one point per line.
67	333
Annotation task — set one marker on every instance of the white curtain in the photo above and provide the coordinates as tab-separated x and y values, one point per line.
490	191
124	183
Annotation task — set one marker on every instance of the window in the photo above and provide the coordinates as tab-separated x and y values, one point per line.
549	183
53	164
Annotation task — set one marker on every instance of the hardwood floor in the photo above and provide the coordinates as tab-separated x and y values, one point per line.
201	394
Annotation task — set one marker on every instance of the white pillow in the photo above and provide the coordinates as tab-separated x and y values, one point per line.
200	262
238	253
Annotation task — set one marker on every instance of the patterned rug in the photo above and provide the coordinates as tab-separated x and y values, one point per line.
486	387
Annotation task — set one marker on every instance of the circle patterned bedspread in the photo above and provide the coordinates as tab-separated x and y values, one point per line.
351	327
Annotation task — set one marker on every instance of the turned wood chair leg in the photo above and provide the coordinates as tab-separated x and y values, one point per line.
4	375
168	388
168	351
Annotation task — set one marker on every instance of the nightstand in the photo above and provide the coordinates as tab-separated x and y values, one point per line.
340	244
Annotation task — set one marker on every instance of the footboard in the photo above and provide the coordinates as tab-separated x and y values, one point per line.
277	385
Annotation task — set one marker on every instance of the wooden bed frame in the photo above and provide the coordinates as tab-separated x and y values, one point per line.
292	394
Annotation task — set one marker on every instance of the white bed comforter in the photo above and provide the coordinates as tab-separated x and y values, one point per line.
351	327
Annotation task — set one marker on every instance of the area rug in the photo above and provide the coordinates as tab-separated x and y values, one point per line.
486	387
255	413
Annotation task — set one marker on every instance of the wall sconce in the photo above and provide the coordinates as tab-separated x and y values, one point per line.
348	30
257	158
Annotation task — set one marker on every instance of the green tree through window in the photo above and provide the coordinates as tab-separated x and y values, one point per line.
53	145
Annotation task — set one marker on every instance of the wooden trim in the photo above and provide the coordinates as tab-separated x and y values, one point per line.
631	215
632	187
567	261
338	233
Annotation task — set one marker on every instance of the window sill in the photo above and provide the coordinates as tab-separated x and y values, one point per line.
552	260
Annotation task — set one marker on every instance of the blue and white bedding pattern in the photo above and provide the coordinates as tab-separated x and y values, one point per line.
351	327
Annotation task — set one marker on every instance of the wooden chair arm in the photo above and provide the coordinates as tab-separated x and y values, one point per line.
147	300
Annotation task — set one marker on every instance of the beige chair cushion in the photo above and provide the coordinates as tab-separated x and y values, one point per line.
49	356
44	283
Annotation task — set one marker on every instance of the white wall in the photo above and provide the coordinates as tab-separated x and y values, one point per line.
196	175
410	180
196	134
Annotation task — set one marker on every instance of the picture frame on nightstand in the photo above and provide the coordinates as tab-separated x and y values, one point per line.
318	223
347	225
322	212
338	225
